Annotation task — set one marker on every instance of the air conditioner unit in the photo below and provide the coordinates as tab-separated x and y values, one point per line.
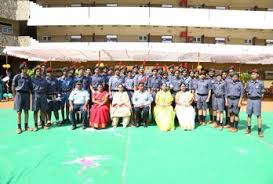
166	39
76	5
112	5
220	8
111	38
269	42
166	6
76	38
220	40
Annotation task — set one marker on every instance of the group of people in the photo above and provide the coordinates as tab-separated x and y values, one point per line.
136	97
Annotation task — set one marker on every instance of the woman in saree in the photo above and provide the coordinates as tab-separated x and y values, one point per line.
184	111
163	111
121	107
99	112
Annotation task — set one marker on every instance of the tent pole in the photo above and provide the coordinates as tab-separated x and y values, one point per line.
6	58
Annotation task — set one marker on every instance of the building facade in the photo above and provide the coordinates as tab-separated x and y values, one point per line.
53	21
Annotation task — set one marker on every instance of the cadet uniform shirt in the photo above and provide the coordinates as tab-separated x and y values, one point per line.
154	83
176	83
115	81
234	89
22	83
255	88
203	86
129	83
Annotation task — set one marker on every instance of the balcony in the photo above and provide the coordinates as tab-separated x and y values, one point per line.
15	10
40	16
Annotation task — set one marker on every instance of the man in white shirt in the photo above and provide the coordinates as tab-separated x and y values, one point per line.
78	101
142	100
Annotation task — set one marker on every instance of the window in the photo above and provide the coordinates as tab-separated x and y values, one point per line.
248	42
46	38
166	6
220	8
7	30
111	38
75	38
143	38
166	39
196	39
220	40
269	42
112	5
76	5
196	6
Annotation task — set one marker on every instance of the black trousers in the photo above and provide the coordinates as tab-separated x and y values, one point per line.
83	115
144	111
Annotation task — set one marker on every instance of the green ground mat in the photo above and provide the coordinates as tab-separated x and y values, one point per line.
135	155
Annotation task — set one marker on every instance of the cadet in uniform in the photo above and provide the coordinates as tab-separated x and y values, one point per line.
176	82
105	77
202	93
21	88
53	96
154	84
114	82
171	72
165	79
186	79
66	83
234	96
39	100
96	79
193	84
135	70
129	83
218	99
211	78
140	78
81	77
255	90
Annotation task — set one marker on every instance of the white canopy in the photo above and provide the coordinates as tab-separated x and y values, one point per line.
137	51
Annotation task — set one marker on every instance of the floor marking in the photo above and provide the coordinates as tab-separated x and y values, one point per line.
126	153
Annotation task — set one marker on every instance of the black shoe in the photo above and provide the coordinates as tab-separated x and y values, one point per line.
136	124
84	127
73	127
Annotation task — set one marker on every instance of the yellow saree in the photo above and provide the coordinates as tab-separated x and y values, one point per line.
163	111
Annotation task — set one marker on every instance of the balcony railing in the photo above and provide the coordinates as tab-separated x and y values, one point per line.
40	16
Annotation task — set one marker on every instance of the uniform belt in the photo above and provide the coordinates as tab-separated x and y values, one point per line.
233	97
218	96
114	90
202	94
130	90
254	98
